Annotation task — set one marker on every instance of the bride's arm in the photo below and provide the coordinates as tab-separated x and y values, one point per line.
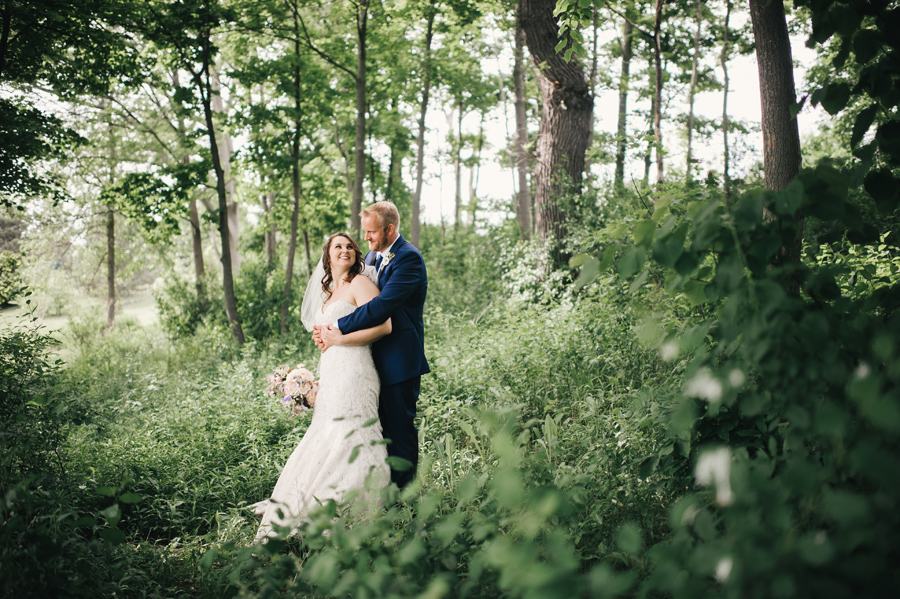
363	291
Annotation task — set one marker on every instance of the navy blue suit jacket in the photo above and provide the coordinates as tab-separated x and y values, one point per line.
399	356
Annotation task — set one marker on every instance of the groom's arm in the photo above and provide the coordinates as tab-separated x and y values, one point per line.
408	276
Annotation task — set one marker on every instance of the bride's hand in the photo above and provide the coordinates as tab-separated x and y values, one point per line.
317	337
331	336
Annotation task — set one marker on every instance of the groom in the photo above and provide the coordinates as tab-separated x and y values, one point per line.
400	356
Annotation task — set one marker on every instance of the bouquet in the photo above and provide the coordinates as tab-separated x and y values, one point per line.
295	387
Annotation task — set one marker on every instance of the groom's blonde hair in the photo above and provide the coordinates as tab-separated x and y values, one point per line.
385	213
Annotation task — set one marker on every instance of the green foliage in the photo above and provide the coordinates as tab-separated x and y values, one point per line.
30	139
11	282
797	392
30	415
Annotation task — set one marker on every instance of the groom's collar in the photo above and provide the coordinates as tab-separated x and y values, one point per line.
396	243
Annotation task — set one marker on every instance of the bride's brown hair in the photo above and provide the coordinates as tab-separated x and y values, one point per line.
355	268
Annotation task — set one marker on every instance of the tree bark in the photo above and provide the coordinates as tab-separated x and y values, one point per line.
657	92
726	177
226	151
420	139
110	269
565	122
197	247
475	171
693	90
295	179
622	127
268	203
457	166
524	194
362	17
203	80
781	136
111	238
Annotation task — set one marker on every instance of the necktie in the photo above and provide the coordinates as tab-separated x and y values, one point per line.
378	263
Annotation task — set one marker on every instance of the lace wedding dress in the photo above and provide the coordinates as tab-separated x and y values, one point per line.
319	469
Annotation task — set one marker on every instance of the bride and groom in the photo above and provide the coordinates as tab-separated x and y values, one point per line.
366	317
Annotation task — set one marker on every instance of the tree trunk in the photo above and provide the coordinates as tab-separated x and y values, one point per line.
457	166
420	139
692	92
268	204
650	143
226	151
292	243
726	177
395	160
475	171
362	17
592	86
657	92
521	133
111	239
295	180
196	245
624	80
110	269
781	135
565	122
203	80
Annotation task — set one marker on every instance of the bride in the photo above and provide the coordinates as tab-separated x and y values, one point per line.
341	449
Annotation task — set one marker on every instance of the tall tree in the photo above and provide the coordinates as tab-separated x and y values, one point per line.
430	14
524	194
781	135
726	50
565	121
657	89
187	31
695	60
622	123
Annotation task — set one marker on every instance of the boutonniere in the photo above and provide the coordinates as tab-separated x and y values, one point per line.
387	259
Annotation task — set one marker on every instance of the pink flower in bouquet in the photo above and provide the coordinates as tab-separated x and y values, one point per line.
296	388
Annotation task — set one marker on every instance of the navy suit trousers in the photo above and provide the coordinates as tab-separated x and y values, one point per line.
400	399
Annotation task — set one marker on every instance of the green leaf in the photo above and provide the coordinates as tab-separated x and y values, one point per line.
866	44
629	538
589	272
643	232
884	189
668	250
789	199
560	45
836	97
608	255
113	536
130	498
112	514
206	562
354	453
631	262
796	107
397	463
106	491
695	292
862	124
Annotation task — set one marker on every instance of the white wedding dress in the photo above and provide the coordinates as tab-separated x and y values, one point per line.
319	469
